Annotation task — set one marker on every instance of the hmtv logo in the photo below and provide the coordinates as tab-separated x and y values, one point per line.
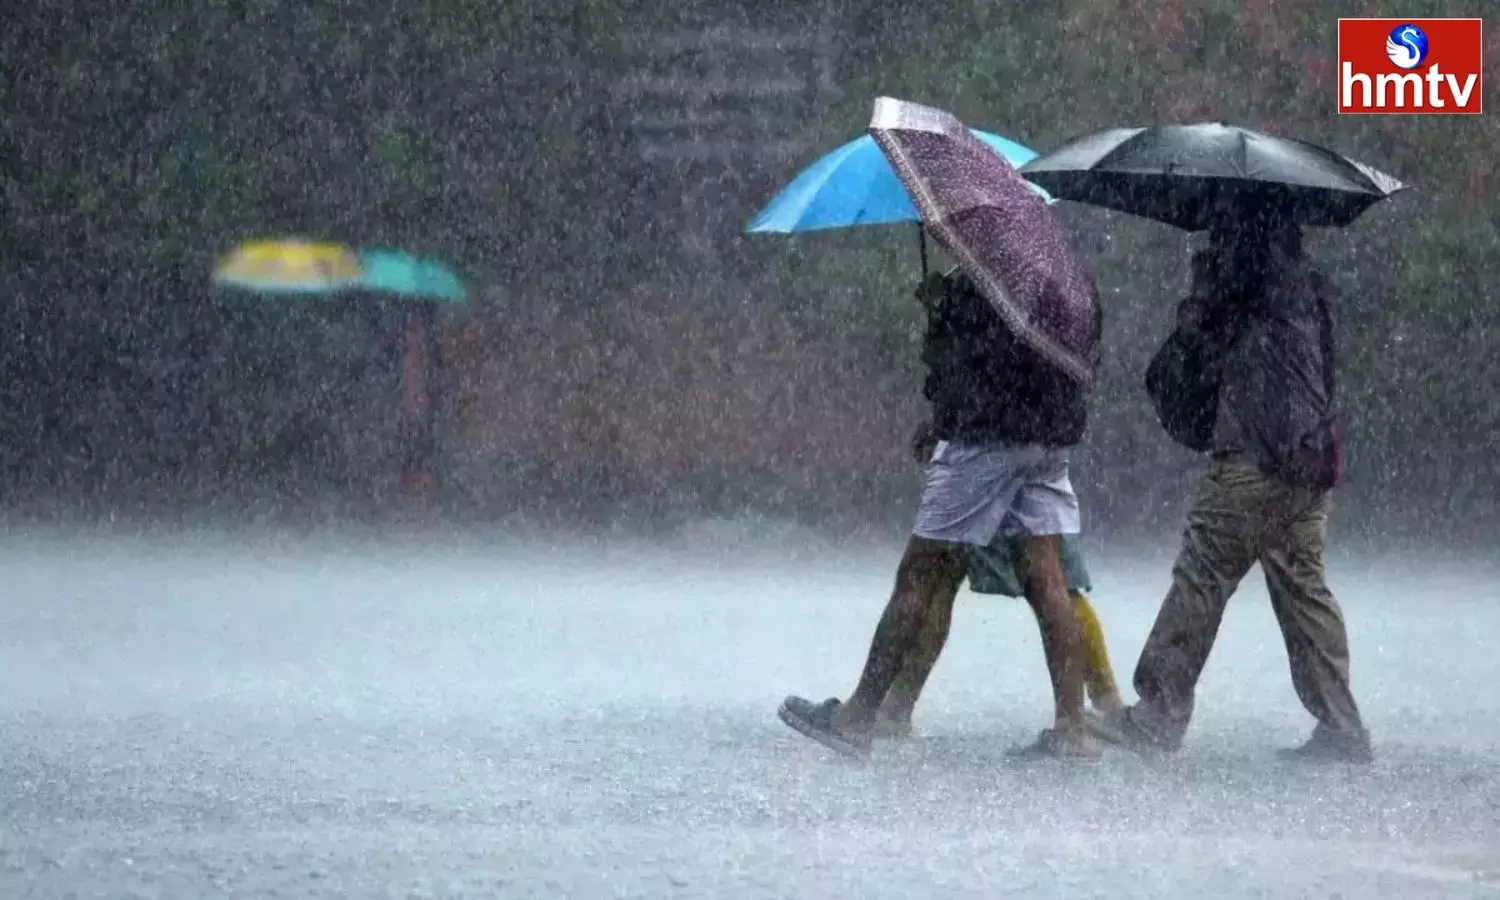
1433	66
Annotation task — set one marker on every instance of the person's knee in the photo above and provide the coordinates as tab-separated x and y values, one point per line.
931	565
1043	566
1202	569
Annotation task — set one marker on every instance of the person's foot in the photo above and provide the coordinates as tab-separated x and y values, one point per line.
1095	720
1329	746
1125	731
1070	746
892	729
1112	705
816	720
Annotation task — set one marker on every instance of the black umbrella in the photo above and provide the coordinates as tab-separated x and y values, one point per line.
1179	174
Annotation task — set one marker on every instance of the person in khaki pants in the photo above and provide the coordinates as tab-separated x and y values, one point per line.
1261	318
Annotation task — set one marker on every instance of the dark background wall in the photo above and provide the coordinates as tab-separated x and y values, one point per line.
589	168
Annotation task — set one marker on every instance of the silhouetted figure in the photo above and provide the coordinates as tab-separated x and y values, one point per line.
1258	332
1004	420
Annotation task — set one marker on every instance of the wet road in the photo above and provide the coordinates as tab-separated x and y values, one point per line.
283	719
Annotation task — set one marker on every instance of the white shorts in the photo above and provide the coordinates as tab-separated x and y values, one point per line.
977	491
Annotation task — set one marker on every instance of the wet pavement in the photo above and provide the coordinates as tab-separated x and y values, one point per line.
283	719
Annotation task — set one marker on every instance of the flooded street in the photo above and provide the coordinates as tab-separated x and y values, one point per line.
598	720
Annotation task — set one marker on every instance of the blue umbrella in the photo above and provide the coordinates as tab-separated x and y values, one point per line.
855	185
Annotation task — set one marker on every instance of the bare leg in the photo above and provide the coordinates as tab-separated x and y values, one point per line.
1047	592
929	571
894	718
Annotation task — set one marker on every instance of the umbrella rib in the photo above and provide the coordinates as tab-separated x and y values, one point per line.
862	217
926	208
1115	152
815	188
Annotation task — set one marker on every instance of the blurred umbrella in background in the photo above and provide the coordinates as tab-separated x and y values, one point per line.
855	185
296	267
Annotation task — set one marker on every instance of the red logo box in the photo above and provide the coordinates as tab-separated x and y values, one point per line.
1447	78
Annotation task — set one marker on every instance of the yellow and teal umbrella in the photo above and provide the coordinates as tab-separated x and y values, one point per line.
301	267
290	267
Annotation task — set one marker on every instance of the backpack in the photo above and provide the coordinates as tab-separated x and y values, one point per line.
1183	384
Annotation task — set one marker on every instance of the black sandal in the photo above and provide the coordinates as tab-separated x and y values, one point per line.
815	720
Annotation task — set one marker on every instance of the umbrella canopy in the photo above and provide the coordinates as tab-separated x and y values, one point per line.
397	272
1179	174
289	267
1000	231
855	185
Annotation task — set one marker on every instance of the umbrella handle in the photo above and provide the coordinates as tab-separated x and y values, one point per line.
922	247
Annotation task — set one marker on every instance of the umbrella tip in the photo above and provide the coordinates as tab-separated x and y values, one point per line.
891	113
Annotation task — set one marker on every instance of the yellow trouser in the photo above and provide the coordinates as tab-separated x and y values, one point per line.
1099	675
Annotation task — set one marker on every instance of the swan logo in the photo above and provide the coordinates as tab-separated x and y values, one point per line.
1407	46
1433	66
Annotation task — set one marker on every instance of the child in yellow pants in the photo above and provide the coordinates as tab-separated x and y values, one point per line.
1104	693
994	570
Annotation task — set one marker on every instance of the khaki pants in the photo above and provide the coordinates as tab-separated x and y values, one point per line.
1238	516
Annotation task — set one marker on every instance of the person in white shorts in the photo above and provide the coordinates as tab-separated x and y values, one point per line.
1005	420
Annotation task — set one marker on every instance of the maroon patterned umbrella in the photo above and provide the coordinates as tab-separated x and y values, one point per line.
1000	231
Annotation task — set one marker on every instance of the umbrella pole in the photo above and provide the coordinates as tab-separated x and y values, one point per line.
922	247
416	403
434	360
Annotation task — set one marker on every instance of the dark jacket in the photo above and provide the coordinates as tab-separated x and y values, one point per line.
1277	401
1259	385
985	385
